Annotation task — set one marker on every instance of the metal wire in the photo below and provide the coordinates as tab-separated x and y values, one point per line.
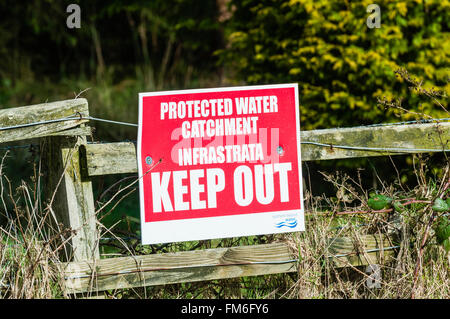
79	116
69	118
370	125
109	121
361	148
422	121
377	149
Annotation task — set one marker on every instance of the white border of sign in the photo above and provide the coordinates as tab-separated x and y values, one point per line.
221	226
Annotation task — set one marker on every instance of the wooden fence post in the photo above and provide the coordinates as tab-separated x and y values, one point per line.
73	201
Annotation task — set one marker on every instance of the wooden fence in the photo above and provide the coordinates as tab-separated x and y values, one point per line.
71	163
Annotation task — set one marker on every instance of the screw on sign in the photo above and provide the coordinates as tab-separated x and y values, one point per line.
232	163
148	160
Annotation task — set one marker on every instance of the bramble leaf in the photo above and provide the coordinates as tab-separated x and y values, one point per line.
443	232
378	202
440	205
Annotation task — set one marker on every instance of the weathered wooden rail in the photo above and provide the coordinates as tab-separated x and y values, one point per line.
211	264
71	163
117	158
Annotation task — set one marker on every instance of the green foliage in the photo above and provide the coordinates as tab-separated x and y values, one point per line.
443	232
342	66
160	40
440	205
398	206
121	49
378	202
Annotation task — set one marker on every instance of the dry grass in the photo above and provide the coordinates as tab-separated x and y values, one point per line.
30	247
318	277
30	244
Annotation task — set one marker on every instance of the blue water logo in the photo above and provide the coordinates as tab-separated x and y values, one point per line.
288	222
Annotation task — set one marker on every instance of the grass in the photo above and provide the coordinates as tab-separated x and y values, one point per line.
30	247
27	241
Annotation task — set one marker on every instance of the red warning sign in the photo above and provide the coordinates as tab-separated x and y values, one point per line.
221	162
